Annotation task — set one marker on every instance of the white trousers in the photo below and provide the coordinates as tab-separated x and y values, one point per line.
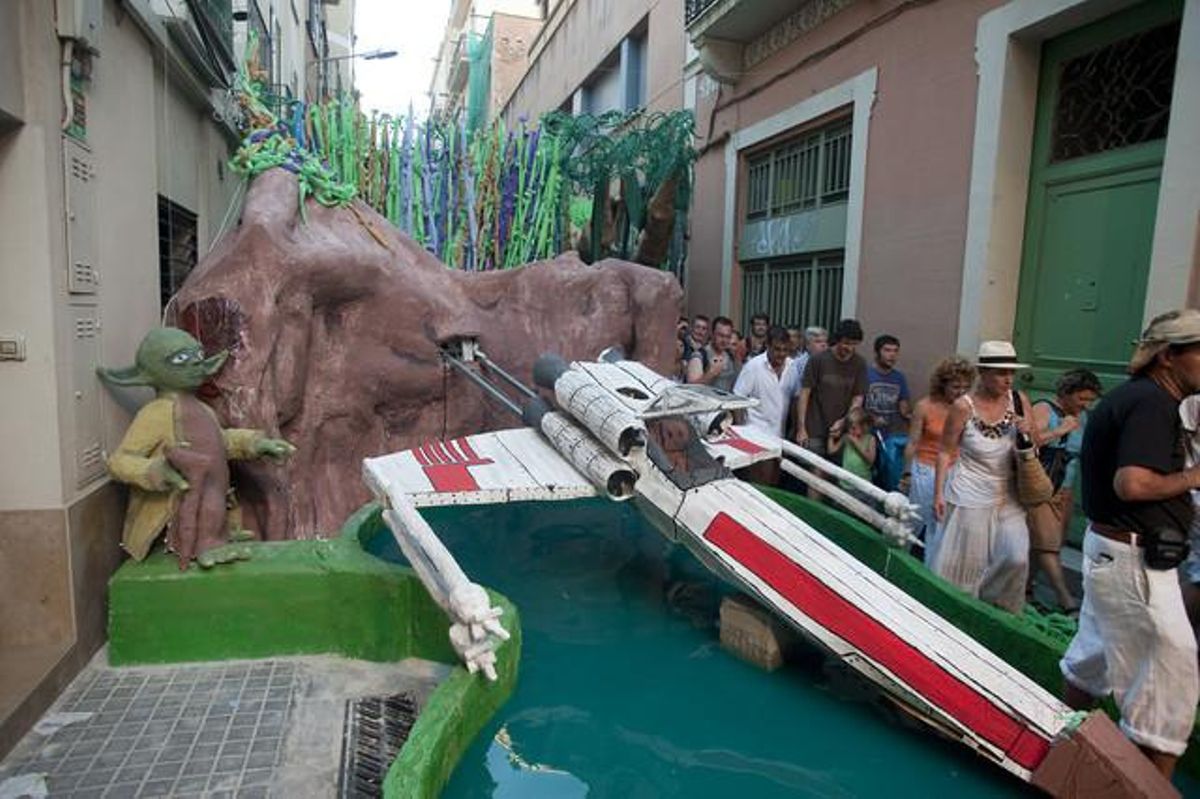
1135	642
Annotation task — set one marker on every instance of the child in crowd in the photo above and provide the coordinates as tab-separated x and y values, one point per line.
854	446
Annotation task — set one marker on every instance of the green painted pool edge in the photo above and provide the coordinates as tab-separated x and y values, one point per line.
316	597
1030	650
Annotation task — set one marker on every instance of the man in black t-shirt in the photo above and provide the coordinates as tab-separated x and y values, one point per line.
1134	639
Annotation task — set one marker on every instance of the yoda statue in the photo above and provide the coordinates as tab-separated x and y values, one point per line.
175	456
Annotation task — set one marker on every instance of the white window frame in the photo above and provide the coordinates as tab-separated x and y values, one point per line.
859	94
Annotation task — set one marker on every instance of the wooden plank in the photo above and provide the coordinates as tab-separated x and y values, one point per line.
554	477
934	637
889	600
509	465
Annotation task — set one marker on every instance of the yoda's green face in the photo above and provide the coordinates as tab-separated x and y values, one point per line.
170	359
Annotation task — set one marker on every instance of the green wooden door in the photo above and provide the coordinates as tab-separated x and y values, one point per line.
1102	115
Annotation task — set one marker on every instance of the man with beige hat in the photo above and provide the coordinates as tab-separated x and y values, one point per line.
1134	639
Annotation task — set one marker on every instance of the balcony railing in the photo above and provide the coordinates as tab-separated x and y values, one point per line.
216	16
692	9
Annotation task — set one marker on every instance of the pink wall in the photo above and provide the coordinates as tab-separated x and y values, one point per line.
917	173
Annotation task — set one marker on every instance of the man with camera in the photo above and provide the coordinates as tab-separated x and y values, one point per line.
1134	639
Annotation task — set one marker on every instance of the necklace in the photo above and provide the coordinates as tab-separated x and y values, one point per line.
994	430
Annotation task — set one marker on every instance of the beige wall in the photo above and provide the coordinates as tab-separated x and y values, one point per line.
59	540
581	33
917	165
31	252
511	38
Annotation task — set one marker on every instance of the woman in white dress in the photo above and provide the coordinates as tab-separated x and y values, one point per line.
984	542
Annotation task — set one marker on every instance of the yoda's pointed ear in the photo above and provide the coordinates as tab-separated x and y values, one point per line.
129	376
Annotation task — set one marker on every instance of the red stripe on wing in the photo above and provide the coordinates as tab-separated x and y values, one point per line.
835	613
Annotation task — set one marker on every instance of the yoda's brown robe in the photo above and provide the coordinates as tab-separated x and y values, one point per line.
158	427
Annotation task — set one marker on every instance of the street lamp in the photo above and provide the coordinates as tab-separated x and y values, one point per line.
370	55
378	54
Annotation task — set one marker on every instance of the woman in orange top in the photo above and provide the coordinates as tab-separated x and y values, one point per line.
951	378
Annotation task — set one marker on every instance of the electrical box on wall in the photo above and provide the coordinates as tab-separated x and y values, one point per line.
84	396
82	275
80	20
82	314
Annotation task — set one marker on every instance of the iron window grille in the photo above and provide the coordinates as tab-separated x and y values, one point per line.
800	290
807	172
177	247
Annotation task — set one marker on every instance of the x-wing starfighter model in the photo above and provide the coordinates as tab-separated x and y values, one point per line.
622	431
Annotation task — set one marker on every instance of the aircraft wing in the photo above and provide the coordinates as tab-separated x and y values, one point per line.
504	466
740	445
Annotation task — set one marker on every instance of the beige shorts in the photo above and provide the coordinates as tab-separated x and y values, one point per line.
1135	642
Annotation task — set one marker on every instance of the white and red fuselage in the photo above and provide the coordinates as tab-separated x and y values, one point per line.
623	431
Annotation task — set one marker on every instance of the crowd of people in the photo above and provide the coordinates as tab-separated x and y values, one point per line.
957	451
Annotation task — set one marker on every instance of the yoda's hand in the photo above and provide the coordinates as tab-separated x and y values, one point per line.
163	476
276	449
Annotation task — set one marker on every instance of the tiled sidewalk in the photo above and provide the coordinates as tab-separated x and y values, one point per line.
205	730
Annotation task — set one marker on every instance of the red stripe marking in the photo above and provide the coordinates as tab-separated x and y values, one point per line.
845	620
467	449
732	439
451	477
446	467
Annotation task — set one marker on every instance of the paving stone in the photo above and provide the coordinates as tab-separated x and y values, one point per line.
111	759
223	782
157	788
87	747
163	771
191	785
256	776
95	778
261	759
174	754
265	744
227	763
204	752
123	790
141	757
242	733
128	773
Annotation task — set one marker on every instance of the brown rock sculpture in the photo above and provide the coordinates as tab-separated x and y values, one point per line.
334	323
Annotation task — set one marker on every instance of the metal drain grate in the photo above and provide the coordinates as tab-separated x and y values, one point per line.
375	729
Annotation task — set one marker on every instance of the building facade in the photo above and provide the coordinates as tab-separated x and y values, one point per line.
116	126
949	170
592	56
482	57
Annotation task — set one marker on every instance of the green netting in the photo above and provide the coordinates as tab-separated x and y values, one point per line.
1033	642
479	79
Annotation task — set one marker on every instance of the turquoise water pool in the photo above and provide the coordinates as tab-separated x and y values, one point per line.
625	692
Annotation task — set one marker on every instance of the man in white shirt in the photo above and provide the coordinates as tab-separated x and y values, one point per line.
773	380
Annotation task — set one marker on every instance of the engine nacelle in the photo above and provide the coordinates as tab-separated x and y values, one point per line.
596	409
605	471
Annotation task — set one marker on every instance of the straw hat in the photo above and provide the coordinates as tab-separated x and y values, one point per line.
1173	327
998	355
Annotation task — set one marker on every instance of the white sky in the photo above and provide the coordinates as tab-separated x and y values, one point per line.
414	28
